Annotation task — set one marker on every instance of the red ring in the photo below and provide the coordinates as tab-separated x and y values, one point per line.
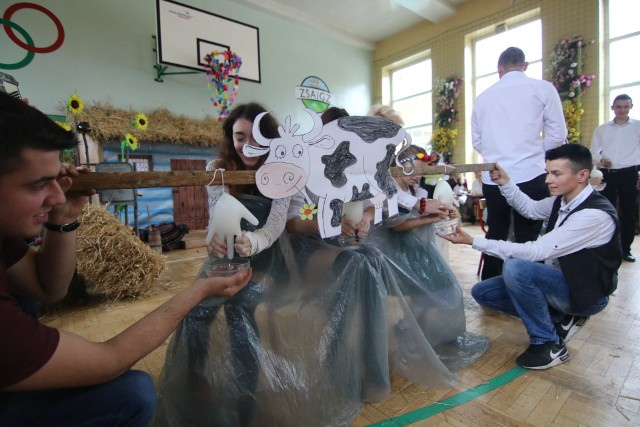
13	8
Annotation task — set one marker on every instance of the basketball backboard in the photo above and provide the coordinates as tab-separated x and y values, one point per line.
186	34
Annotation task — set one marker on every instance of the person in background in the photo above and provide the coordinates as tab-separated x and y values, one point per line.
49	376
468	210
615	148
506	126
555	283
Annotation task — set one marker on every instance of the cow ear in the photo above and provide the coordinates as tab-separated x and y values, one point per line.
251	151
326	142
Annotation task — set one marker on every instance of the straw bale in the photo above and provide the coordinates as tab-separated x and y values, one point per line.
108	123
112	260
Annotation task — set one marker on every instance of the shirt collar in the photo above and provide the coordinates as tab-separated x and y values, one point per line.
628	122
513	74
581	197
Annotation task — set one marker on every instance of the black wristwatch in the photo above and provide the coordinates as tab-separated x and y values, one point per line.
64	228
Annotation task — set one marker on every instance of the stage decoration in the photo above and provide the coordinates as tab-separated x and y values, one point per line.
75	105
141	122
74	110
445	134
112	261
223	77
565	73
28	44
130	141
307	211
108	123
337	163
64	126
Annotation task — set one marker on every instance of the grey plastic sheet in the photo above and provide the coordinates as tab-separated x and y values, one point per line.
317	333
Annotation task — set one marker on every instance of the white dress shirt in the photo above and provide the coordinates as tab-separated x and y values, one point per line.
618	143
588	228
507	122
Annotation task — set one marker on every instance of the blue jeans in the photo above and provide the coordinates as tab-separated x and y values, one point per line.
535	292
129	400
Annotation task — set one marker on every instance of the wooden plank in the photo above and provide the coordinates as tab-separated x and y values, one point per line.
119	180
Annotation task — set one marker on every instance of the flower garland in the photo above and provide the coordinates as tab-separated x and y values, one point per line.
223	72
445	134
565	73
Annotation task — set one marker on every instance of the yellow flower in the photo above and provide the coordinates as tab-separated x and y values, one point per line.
444	138
141	121
75	105
63	125
131	141
307	211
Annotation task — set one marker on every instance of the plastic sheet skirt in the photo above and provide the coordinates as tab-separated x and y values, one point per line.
317	333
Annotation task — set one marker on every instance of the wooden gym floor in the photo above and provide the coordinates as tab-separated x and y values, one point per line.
599	386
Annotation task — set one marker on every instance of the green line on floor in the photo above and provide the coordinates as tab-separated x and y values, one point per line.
453	401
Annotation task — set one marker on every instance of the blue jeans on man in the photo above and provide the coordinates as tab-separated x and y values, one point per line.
535	292
129	400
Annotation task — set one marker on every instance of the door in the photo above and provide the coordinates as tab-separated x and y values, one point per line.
190	204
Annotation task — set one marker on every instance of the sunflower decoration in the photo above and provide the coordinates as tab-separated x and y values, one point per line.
307	211
75	105
140	122
130	141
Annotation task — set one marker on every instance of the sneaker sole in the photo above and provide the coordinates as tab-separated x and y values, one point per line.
555	362
575	328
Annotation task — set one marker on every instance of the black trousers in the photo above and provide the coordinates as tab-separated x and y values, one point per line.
499	220
621	192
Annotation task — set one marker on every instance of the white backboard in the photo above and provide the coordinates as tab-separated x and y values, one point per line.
186	34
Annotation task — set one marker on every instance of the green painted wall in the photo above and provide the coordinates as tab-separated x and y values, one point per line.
107	57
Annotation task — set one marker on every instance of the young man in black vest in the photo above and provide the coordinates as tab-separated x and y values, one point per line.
556	282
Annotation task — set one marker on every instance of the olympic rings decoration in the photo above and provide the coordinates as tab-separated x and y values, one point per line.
29	46
27	59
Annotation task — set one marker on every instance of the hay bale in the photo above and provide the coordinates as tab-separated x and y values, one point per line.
111	259
110	123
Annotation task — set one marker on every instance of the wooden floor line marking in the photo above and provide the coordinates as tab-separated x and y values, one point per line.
453	401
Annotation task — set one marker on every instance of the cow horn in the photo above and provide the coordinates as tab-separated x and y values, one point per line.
260	139
317	126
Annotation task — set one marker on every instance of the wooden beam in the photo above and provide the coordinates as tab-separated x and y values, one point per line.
120	180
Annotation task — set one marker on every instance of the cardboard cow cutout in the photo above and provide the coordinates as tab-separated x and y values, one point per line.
343	161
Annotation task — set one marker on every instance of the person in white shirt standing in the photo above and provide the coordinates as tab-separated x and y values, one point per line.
507	123
615	148
580	249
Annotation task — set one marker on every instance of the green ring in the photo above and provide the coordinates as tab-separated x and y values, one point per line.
27	59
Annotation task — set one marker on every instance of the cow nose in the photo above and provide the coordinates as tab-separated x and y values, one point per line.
288	177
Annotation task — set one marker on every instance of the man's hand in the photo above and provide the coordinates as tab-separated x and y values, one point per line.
225	286
499	176
458	237
76	200
605	163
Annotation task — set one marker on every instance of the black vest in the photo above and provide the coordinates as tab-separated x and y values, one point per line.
590	273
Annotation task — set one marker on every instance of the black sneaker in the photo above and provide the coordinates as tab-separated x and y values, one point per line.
570	325
543	356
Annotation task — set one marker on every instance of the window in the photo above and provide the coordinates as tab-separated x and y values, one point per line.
621	44
409	91
140	162
486	51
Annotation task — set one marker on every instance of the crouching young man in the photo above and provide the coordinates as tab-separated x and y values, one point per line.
48	376
580	250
